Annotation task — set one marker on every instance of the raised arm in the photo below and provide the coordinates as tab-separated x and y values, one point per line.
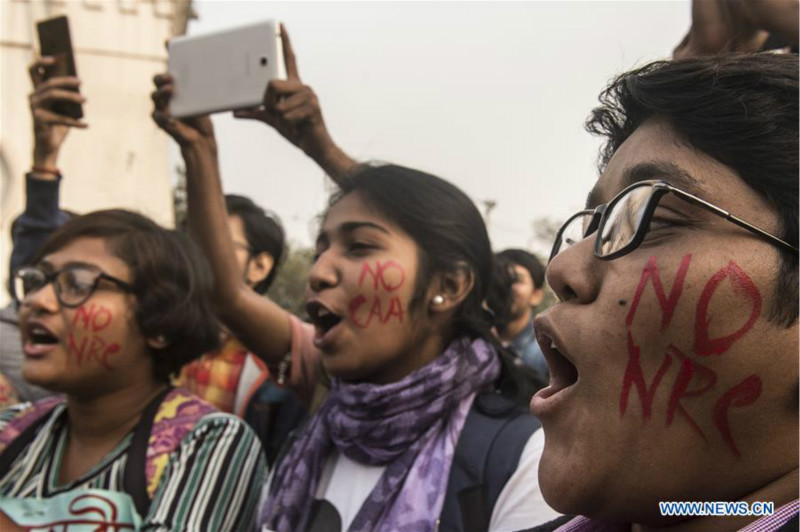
293	110
42	214
258	322
738	26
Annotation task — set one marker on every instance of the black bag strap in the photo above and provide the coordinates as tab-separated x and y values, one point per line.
19	443
134	480
487	454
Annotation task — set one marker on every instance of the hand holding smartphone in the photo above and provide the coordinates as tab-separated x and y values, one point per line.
55	42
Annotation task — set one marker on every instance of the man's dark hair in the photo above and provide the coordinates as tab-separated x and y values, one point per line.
742	110
171	280
263	231
529	261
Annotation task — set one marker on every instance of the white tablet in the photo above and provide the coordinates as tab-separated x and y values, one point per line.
224	70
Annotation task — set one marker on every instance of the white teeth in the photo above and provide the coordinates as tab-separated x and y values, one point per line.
323	312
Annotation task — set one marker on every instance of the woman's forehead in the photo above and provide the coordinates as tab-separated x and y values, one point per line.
352	211
93	251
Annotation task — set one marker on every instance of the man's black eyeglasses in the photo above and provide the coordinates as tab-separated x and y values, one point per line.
622	223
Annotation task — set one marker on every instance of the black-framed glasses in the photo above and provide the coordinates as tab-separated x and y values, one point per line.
73	284
623	222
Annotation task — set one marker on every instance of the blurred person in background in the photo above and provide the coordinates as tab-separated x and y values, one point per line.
527	292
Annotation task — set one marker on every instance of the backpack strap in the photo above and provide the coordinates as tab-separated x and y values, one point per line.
165	422
487	454
20	431
134	480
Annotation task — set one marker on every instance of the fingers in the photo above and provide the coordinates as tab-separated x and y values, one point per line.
279	89
161	97
300	115
48	97
289	58
162	79
59	82
298	99
39	69
45	116
163	93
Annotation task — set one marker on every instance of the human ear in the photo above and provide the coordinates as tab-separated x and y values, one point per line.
536	297
448	289
260	266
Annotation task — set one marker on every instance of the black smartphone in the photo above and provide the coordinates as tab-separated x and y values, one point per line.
54	40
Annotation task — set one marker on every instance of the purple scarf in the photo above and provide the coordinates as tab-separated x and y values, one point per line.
410	426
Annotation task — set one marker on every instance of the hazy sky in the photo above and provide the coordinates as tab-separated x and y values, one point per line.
491	96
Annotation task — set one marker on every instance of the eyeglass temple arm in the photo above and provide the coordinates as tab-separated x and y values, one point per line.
738	221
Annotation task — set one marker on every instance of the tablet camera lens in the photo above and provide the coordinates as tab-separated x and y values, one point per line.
263	61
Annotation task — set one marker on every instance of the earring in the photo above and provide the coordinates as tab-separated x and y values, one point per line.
161	339
438	299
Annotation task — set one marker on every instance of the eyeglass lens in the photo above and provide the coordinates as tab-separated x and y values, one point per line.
622	220
72	286
619	227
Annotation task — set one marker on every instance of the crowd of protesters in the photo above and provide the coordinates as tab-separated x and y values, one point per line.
153	385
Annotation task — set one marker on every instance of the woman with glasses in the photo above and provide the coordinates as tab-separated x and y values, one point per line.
112	307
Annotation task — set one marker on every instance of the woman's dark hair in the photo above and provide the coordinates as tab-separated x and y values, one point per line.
263	231
742	110
450	234
171	280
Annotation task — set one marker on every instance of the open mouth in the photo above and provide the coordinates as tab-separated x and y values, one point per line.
323	318
38	340
39	335
563	376
563	373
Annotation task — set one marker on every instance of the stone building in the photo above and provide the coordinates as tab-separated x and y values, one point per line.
122	159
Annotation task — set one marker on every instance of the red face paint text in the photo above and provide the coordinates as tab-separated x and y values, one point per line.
381	278
91	319
694	379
